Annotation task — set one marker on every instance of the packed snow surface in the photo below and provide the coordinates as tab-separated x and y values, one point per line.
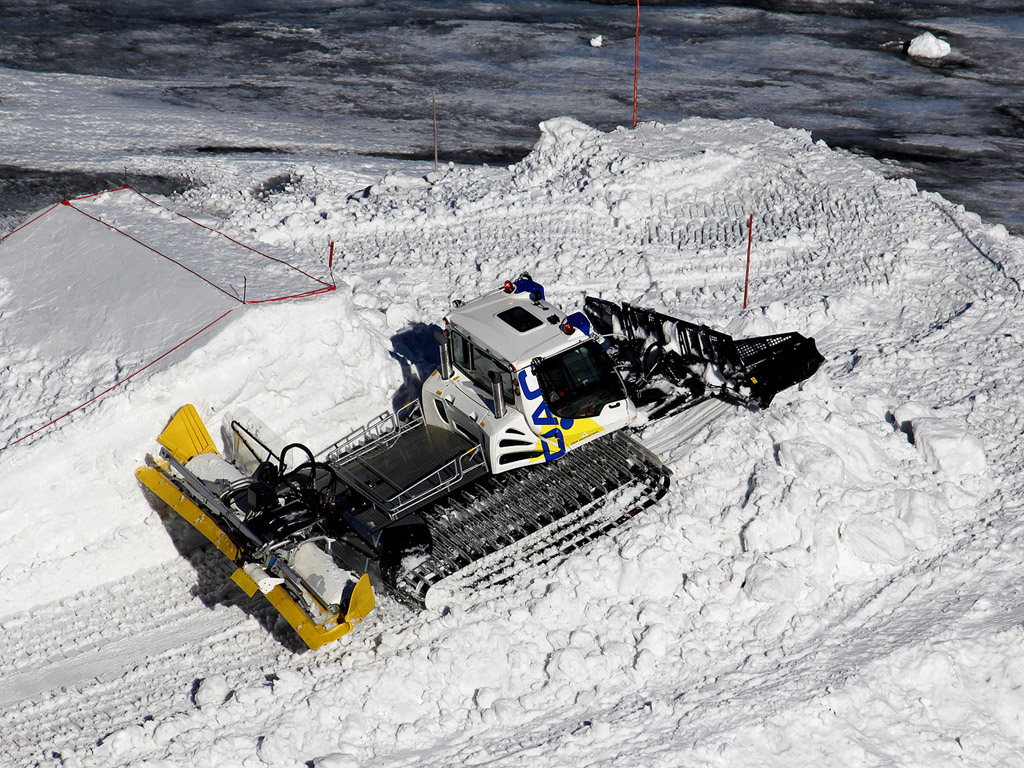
111	281
833	581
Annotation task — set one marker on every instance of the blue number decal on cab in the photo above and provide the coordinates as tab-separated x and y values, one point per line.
543	417
530	394
556	435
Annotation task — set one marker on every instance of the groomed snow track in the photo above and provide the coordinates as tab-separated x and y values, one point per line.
109	653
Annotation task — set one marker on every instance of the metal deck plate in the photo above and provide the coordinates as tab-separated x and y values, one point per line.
398	464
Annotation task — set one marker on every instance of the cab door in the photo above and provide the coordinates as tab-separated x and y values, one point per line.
467	397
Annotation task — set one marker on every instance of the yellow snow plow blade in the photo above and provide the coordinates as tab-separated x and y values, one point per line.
314	634
186	435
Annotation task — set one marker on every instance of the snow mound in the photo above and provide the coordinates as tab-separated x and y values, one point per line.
945	445
80	315
807	575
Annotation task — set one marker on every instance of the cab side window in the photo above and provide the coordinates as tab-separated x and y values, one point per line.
462	354
477	365
485	364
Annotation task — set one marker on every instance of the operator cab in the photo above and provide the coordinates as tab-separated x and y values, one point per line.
579	382
523	379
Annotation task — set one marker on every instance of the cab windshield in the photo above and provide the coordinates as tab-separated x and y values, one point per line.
579	382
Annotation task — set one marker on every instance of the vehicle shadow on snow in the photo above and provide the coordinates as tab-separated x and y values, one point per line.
213	571
416	351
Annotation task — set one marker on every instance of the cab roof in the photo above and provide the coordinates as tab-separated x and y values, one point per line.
514	327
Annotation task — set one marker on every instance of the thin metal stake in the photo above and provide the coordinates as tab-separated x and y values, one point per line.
433	97
750	240
636	61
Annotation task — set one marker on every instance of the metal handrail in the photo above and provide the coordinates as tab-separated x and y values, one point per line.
386	425
385	429
458	466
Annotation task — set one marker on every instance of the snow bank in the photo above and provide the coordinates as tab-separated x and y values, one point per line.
327	372
79	315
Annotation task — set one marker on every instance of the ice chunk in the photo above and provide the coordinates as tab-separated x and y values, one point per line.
906	413
943	443
401	315
768	581
212	692
928	46
948	448
817	463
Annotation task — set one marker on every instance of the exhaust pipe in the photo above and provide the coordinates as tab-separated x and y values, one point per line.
446	356
497	394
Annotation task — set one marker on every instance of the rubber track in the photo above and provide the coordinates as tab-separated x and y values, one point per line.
531	517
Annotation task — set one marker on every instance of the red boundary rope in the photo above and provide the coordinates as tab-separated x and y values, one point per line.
151	248
326	287
236	242
37	218
119	383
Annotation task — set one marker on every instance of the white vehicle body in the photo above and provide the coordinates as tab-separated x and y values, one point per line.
523	379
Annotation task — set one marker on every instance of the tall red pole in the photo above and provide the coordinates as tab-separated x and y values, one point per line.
636	60
750	239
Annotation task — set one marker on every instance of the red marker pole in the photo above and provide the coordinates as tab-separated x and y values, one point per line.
330	265
750	239
636	61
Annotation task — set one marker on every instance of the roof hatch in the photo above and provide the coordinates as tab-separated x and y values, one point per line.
521	319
